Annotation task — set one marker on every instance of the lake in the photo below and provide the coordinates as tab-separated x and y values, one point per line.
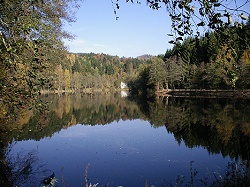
118	141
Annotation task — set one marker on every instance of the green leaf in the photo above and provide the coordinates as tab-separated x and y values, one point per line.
9	48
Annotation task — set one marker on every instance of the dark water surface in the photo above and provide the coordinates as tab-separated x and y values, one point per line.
116	142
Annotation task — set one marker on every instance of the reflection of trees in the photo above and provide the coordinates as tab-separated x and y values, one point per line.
220	126
22	169
68	110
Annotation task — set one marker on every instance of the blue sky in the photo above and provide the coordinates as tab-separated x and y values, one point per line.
139	30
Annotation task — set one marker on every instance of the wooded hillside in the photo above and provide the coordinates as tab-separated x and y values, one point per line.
82	71
218	60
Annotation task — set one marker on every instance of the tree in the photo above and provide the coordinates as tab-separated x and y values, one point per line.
189	15
31	33
76	81
157	72
58	84
67	79
175	72
244	70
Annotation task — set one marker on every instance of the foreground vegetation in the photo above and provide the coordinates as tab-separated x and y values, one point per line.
31	33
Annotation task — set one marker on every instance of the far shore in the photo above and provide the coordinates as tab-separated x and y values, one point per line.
195	93
86	91
212	93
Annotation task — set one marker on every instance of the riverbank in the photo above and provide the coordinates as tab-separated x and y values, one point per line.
85	91
195	93
199	93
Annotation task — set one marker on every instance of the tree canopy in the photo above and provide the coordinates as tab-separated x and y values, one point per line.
31	33
188	16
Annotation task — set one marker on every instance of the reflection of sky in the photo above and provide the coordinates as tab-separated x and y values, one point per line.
123	153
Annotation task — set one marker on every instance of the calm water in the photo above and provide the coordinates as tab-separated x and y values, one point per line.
113	141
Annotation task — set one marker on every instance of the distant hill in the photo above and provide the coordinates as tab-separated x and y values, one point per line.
87	71
144	57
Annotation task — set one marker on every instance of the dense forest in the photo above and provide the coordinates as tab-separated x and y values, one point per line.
99	72
218	60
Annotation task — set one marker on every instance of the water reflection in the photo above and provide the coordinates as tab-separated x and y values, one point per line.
220	126
22	168
119	142
69	110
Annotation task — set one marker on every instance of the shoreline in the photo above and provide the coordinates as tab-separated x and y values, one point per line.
202	93
84	91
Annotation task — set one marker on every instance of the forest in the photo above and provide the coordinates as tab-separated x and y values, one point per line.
34	59
89	71
218	60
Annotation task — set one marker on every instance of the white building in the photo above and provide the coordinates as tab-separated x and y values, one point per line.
124	93
123	85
